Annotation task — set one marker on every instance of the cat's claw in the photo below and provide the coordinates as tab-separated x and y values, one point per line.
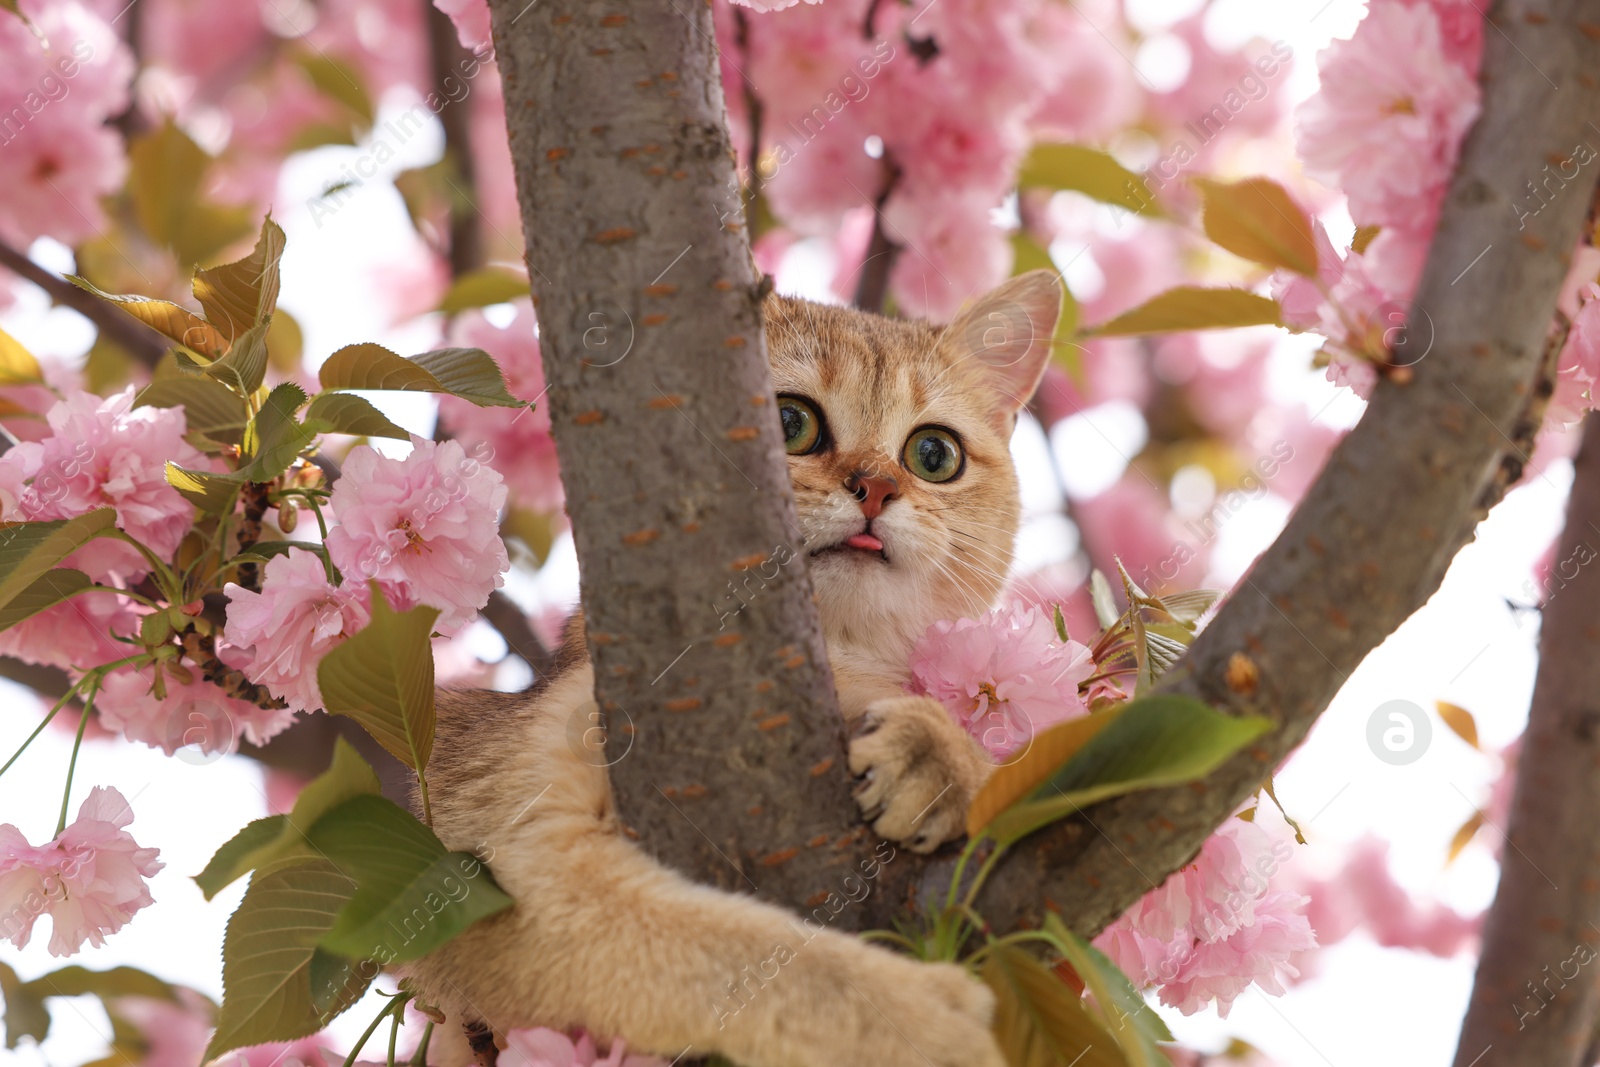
916	771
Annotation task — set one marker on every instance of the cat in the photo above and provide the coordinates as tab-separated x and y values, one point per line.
898	434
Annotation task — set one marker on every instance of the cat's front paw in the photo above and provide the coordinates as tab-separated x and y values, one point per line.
916	771
897	1012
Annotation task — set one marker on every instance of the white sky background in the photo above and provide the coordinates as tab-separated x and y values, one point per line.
1465	646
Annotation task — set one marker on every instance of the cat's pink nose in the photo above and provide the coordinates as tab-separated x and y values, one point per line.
873	491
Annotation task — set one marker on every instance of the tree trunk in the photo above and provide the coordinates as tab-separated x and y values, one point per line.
1536	999
723	733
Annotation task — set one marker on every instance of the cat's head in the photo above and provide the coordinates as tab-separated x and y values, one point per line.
898	436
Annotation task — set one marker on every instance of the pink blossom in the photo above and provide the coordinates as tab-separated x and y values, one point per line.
194	714
76	634
769	5
1387	123
89	880
107	452
543	1047
952	253
1300	298
516	440
1004	676
1364	894
279	635
1578	368
426	528
174	1034
471	18
1215	926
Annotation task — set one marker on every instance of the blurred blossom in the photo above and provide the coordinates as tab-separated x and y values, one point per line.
194	713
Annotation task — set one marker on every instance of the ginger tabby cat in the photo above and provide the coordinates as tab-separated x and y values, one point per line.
898	434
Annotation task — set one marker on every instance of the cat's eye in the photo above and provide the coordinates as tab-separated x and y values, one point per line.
934	455
802	426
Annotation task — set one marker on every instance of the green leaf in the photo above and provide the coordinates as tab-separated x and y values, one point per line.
336	980
412	893
383	678
1191	307
1028	254
26	1013
348	413
17	365
1105	608
1134	1024
275	438
482	287
1089	171
49	589
280	840
239	297
75	981
470	373
1187	607
176	323
211	493
29	549
1039	1020
244	367
1258	220
266	956
235	859
210	407
1156	741
370	366
168	171
340	82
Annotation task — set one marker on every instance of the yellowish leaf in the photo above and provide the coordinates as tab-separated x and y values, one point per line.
1258	220
1016	779
1464	834
17	365
1460	721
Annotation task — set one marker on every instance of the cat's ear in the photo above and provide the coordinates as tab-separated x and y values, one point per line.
1008	330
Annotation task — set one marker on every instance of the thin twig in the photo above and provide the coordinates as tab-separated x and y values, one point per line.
138	340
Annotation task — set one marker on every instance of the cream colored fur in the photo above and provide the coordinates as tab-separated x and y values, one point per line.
603	937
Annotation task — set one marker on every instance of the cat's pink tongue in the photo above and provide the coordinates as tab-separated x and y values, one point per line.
866	541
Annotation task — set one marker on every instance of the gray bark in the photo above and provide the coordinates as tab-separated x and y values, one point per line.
723	730
1537	995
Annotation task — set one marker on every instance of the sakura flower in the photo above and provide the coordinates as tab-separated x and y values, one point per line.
1215	926
471	18
194	713
1388	121
107	452
769	5
1364	894
279	635
1578	368
75	635
173	1034
543	1047
1004	676
89	880
424	527
518	438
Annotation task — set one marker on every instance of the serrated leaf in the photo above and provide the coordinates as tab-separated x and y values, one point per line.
233	860
1190	605
211	493
244	366
1192	307
17	365
1258	220
1132	1022
239	297
176	323
383	678
1460	721
482	287
1040	1021
336	978
370	366
209	407
1156	741
49	589
266	956
470	373
412	893
1089	171
26	1014
29	549
1048	752
280	840
275	438
348	413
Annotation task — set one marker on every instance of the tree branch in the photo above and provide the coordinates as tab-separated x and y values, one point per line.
1437	452
445	56
134	337
1534	999
677	483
